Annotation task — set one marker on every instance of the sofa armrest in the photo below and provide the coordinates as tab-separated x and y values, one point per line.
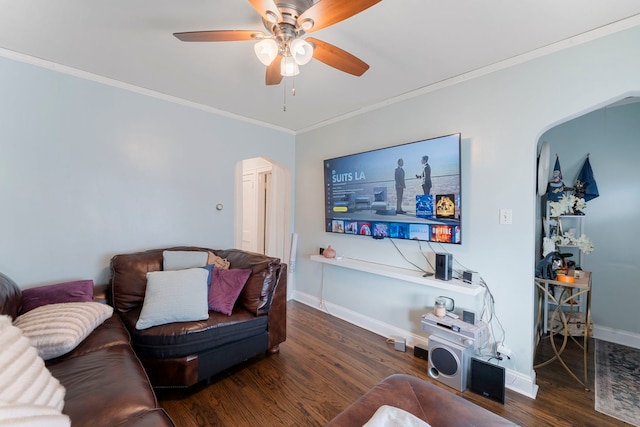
277	323
10	297
257	294
266	290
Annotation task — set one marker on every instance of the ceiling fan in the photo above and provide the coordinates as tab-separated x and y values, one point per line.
281	48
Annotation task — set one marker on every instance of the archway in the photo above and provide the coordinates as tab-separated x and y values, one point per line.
263	207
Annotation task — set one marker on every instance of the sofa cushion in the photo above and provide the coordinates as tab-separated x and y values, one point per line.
23	375
209	268
174	296
111	332
76	291
225	288
218	261
184	338
29	415
180	260
105	387
256	292
56	329
129	275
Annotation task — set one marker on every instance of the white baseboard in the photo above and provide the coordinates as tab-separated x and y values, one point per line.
516	381
617	336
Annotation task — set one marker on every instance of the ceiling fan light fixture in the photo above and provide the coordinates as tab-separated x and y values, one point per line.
266	51
301	50
289	67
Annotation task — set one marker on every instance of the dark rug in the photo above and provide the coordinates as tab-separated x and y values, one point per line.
618	381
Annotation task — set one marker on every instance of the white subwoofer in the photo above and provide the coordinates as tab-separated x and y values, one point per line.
448	362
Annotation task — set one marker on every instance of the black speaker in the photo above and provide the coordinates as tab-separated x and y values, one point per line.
420	352
448	362
487	380
444	266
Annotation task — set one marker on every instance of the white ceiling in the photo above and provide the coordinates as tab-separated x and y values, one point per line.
409	44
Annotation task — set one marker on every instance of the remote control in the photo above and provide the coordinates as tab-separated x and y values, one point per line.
452	315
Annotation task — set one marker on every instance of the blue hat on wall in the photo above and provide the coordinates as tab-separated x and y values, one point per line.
586	186
555	189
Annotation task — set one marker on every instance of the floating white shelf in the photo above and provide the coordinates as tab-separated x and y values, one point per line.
453	285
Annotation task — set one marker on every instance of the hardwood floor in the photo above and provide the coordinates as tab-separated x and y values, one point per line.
327	363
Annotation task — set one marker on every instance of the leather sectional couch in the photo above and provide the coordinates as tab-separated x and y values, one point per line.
105	383
182	354
109	377
426	401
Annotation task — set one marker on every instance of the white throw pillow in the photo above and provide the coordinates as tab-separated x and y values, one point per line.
180	260
23	375
56	329
174	296
29	415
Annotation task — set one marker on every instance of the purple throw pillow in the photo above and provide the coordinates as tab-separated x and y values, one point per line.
226	286
76	291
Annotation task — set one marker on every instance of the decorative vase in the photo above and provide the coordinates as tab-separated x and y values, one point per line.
329	252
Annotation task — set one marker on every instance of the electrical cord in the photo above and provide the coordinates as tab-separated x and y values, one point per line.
488	314
425	257
405	258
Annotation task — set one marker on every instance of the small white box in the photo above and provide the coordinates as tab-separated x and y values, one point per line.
400	344
469	276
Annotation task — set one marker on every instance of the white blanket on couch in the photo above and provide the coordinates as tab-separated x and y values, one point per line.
390	416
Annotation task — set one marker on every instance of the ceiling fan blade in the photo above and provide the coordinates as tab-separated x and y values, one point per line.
337	58
274	77
220	35
329	12
267	9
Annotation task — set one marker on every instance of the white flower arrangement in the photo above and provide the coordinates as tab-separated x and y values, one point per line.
568	205
570	239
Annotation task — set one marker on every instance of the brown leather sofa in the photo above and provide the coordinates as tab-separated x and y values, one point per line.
105	383
433	404
182	354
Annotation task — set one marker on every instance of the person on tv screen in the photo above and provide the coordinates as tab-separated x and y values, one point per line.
400	186
426	175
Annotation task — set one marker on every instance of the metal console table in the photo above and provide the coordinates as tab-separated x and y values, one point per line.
559	318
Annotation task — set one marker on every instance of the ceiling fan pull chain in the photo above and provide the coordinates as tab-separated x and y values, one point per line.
284	96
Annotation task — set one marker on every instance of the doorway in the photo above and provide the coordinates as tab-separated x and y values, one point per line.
263	204
608	136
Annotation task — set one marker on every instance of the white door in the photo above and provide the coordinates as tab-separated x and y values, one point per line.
249	213
263	210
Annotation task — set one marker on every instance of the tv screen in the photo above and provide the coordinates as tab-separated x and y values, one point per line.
408	191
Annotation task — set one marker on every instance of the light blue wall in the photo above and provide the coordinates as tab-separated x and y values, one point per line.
88	171
501	116
611	136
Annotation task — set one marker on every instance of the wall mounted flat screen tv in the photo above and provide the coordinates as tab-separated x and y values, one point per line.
408	191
